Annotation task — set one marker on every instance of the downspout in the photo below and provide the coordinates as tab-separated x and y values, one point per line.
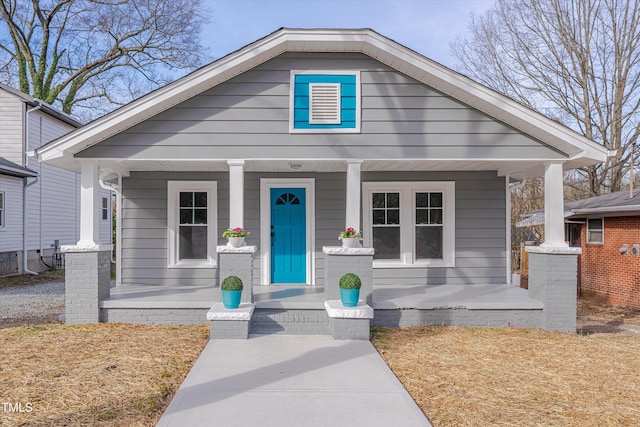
40	197
25	246
118	255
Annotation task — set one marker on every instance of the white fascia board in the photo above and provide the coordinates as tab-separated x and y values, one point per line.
163	98
368	42
484	99
607	209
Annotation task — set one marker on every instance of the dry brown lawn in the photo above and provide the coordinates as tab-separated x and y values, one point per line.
93	375
125	375
516	377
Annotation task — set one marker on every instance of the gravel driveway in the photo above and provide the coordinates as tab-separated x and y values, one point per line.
43	302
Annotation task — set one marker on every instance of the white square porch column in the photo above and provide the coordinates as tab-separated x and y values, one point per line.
236	193
553	265
87	264
89	187
352	214
554	206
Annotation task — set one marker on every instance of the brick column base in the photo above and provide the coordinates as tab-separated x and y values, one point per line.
87	281
339	261
237	262
553	279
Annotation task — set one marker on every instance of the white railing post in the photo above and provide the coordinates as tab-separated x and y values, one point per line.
236	193
352	214
89	231
553	206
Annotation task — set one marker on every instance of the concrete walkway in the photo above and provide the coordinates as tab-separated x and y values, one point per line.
291	380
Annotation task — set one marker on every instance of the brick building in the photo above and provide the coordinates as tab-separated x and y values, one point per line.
607	228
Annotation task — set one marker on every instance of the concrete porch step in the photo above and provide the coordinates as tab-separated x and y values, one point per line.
290	321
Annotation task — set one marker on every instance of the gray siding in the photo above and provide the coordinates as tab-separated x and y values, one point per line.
248	116
52	202
11	232
11	128
480	229
144	229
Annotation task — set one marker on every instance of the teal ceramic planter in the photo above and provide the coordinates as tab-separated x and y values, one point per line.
231	299
349	297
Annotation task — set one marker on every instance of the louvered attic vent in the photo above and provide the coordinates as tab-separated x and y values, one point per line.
324	103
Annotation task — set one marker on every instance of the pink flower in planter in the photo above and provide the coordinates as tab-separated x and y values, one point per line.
350	232
235	232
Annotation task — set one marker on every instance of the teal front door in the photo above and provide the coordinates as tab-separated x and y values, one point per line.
288	235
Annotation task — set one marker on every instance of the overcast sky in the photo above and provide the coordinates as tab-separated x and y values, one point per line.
426	26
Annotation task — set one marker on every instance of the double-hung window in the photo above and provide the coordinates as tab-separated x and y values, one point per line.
105	208
410	224
192	218
595	230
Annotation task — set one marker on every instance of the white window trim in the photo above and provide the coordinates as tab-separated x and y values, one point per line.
3	210
173	200
407	216
601	242
292	85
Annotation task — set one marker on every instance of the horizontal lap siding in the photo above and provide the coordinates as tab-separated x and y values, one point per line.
144	229
53	201
144	223
11	233
248	117
480	231
11	120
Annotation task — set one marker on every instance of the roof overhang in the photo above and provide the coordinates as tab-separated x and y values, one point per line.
579	150
46	108
13	169
537	218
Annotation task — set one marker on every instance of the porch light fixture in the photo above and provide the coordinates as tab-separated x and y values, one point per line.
295	166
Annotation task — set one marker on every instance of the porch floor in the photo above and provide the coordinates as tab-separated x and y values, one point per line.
385	297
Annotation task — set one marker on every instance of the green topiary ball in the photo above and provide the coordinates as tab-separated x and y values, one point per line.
231	283
350	281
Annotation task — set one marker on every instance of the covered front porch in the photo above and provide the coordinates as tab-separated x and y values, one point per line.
394	305
399	295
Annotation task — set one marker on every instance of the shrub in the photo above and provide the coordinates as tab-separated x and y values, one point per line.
350	281
231	283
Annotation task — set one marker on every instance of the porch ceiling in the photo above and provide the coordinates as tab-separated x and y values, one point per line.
515	169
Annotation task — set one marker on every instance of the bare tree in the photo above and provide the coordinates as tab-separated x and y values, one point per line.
97	53
575	61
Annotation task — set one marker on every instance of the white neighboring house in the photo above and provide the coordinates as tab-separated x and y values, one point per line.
51	214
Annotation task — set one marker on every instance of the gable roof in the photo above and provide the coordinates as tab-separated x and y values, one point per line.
48	109
580	151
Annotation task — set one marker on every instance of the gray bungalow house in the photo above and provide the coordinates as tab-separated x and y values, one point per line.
295	137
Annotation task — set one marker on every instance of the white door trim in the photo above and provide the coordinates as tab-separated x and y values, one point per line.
266	184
